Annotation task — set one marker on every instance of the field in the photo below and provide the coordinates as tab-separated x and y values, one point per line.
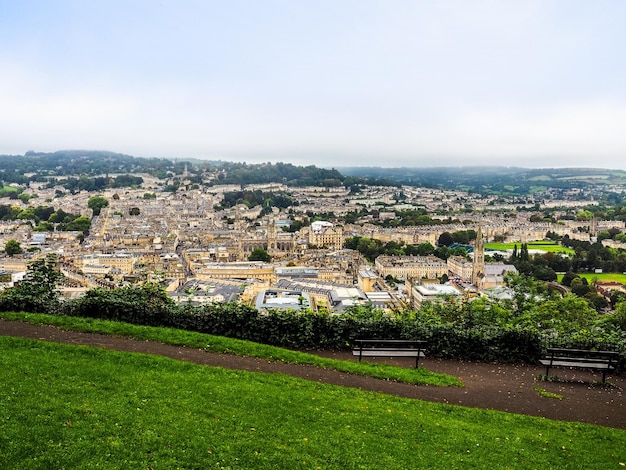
68	406
545	246
602	277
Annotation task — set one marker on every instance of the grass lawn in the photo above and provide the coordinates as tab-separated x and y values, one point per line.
606	277
545	246
235	346
66	406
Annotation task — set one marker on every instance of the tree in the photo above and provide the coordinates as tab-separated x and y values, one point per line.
579	286
598	301
259	254
442	252
425	249
445	239
544	273
12	247
134	211
523	254
568	277
79	224
37	292
148	304
97	203
619	318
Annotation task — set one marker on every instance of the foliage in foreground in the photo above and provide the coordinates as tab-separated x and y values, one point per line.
79	407
480	330
516	330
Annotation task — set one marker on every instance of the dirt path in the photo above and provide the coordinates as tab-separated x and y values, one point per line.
492	386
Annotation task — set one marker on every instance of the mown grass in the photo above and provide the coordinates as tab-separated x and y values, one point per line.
66	406
606	277
546	394
234	346
544	246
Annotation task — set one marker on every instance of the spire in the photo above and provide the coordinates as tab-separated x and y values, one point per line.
271	235
478	268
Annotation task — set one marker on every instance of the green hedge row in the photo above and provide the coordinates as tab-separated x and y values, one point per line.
459	338
310	331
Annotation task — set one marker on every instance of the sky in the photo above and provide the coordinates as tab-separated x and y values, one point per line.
531	83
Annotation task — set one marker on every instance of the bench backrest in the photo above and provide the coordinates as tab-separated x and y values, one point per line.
563	353
390	343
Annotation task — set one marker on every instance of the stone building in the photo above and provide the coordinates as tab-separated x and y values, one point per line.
417	267
326	235
460	267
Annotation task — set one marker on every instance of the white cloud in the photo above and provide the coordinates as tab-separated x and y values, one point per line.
354	82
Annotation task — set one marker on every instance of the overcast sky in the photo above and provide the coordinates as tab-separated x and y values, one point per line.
338	82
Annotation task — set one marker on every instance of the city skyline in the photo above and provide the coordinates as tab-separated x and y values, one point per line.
343	83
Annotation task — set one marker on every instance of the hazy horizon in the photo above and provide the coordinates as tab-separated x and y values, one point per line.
339	83
337	167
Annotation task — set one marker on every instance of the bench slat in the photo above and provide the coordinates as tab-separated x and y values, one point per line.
590	360
389	353
391	342
586	352
580	365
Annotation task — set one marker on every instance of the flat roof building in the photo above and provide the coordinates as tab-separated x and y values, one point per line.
421	293
279	299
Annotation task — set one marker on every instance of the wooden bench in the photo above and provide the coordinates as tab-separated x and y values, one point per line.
603	361
389	348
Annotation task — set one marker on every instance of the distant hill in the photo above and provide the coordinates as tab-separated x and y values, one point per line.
497	180
81	162
92	164
42	166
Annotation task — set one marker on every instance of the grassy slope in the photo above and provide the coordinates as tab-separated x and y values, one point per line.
234	346
78	407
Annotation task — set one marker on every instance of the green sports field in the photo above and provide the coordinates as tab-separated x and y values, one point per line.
602	277
544	246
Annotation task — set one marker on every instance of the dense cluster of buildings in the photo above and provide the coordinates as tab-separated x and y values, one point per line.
201	254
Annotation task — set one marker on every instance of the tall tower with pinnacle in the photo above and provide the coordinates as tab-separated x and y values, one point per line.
272	241
593	227
478	267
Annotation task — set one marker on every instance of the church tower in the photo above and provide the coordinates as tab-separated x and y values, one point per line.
593	227
272	237
478	268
